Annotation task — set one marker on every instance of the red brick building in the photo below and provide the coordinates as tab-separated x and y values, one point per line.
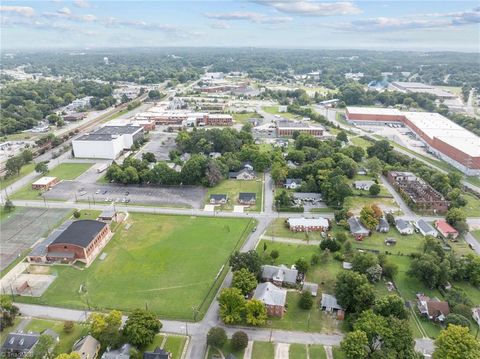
218	120
81	241
272	297
45	183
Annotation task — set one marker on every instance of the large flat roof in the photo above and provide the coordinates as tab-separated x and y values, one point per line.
44	181
118	130
373	111
80	233
95	137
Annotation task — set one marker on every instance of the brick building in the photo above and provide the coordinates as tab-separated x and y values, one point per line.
218	120
287	128
273	297
308	224
45	183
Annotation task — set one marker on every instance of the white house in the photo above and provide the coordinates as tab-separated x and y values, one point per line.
426	229
293	183
403	226
363	185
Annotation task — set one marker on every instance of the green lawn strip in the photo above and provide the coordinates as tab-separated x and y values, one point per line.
232	188
317	352
262	350
4	214
337	353
476	234
66	339
23	172
243	118
89	214
64	171
473	205
360	142
274	111
159	260
157	342
174	345
297	351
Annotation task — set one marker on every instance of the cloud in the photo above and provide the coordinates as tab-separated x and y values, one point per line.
311	8
18	10
89	18
81	3
221	25
64	11
254	17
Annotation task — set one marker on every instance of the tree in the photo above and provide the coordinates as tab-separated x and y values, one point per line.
249	260
153	94
232	305
216	337
342	136
13	166
76	214
390	305
43	348
301	265
141	328
68	326
274	254
457	218
354	345
279	172
68	356
8	310
149	157
239	340
41	167
374	166
368	218
455	342
390	219
256	313
374	189
306	300
105	327
374	273
362	261
457	319
390	270
8	206
427	269
244	280
27	156
354	292
331	244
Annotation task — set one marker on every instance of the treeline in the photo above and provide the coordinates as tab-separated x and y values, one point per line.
23	104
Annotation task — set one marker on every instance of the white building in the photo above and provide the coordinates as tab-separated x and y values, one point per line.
79	104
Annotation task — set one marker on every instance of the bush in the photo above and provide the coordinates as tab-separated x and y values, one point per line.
239	340
330	244
76	214
216	337
68	326
315	259
338	256
341	237
290	209
306	300
457	319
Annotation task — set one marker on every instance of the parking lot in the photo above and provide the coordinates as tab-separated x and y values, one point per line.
173	196
160	144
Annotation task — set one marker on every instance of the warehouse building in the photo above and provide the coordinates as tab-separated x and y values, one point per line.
107	142
287	128
442	137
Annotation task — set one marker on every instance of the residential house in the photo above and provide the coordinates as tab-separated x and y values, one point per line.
425	228
476	315
363	185
383	226
357	229
293	183
301	198
247	198
433	309
362	171
122	353
273	297
243	174
329	304
218	198
87	347
280	275
19	345
446	230
403	226
308	224
310	287
158	353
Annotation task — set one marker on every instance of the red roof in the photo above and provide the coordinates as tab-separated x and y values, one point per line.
444	227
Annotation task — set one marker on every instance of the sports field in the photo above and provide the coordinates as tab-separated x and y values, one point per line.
167	264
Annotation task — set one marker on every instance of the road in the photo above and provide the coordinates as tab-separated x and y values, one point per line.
469	108
401	203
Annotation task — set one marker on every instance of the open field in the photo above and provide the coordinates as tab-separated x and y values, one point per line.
359	192
406	244
66	339
262	350
355	204
23	172
297	351
274	111
243	118
157	258
89	214
233	187
64	171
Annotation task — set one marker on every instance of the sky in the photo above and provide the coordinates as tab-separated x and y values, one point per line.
375	25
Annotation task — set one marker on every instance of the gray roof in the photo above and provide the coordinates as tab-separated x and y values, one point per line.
311	287
425	227
51	333
363	183
118	130
289	181
158	353
107	213
20	342
121	353
400	223
218	197
246	196
356	227
86	347
382	223
280	273
80	233
307	195
330	302
233	174
270	294
41	248
95	137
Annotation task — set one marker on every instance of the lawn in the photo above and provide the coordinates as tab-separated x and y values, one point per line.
64	171
243	118
358	192
355	203
472	209
23	172
157	258
232	188
337	353
66	339
360	142
274	111
278	228
317	352
262	350
175	344
298	351
226	350
476	234
89	214
405	244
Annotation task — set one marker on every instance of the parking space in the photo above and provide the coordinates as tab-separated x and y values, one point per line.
160	144
173	196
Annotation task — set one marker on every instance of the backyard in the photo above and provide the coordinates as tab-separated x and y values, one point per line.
355	204
157	258
172	343
232	188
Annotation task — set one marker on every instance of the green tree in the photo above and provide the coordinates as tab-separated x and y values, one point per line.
390	305
427	269
105	327
249	260
368	218
362	261
301	265
27	156
41	167
353	291
457	319
256	313
279	172
149	157
374	189
306	300
244	280
374	166
8	206
8	310
141	327
68	326
455	342
239	340
232	305
43	348
342	136
274	254
13	166
354	345
457	218
216	337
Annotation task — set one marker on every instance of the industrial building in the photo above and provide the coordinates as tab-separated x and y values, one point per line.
418	87
185	118
107	142
286	128
442	137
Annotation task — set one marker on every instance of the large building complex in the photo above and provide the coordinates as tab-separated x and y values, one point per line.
443	137
286	128
419	87
185	118
107	142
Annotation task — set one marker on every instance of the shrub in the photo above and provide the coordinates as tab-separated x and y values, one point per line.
306	301
76	214
68	326
216	337
338	256
239	340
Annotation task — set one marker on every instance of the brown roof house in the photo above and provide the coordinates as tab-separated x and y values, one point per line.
273	297
433	309
87	347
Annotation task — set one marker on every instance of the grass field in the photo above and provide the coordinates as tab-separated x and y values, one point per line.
89	214
355	203
262	350
66	339
232	188
243	118
274	111
157	259
23	172
405	244
64	171
317	351
473	205
337	353
297	351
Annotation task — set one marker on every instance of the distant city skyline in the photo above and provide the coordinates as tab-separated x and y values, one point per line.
374	25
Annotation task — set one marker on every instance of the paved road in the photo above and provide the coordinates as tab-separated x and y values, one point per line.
401	203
